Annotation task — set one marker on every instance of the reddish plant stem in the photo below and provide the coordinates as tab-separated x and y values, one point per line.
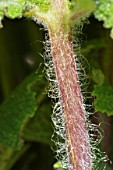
71	100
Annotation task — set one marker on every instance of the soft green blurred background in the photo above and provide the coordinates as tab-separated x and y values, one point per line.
21	46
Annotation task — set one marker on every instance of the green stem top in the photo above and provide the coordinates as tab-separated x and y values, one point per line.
52	12
63	13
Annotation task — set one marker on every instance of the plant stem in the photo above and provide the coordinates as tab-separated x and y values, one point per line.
78	145
59	20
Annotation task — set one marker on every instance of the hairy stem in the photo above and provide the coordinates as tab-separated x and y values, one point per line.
59	20
78	145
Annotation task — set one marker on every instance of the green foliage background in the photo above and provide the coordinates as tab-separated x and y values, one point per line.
25	110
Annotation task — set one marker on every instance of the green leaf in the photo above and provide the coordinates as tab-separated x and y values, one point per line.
81	8
104	12
15	111
104	98
97	76
11	9
15	8
43	5
8	156
39	128
83	5
20	120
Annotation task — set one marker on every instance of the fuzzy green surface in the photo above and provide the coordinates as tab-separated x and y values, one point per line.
98	76
15	111
103	92
104	12
77	5
104	98
80	9
43	5
12	9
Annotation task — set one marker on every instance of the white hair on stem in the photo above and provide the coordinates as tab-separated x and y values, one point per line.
76	138
59	136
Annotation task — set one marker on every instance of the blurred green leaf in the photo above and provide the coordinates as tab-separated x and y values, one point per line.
104	98
15	8
103	165
97	76
9	156
39	128
11	9
104	12
43	5
15	111
17	122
